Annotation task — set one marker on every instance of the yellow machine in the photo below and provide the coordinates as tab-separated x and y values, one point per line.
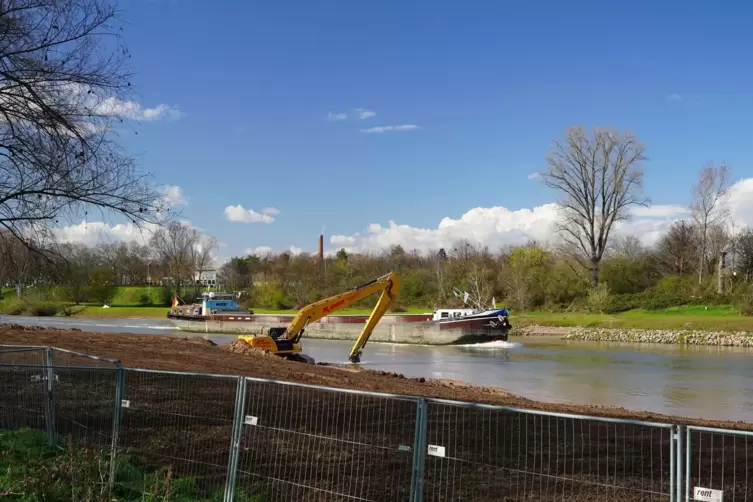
285	341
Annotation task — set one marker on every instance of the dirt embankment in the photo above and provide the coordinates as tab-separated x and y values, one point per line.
198	355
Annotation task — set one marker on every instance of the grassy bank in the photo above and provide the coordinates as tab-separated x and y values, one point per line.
31	470
125	305
678	318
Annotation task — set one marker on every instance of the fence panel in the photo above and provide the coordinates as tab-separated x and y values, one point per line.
175	433
313	444
718	460
23	396
479	453
34	356
84	400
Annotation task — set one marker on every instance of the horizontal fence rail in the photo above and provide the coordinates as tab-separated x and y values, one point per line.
191	436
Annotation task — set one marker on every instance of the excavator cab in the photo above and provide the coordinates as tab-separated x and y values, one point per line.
285	341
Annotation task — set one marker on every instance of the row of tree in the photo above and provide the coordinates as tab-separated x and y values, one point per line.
174	256
524	277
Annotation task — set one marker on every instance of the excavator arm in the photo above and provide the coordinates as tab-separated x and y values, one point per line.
388	284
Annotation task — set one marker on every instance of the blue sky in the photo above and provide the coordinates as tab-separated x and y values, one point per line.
488	85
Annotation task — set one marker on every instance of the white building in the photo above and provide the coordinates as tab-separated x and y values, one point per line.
206	278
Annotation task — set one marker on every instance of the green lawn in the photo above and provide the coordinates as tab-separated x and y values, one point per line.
702	318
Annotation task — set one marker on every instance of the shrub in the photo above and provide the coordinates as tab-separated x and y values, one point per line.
13	307
145	299
599	298
166	296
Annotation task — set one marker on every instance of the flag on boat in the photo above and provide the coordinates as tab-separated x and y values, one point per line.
175	301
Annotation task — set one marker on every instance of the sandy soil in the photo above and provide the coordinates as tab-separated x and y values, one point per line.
313	445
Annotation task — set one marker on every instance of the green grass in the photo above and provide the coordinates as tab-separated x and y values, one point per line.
677	318
33	471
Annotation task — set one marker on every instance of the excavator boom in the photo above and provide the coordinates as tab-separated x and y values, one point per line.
388	284
285	341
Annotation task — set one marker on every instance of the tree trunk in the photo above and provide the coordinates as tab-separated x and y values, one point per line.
19	290
594	273
701	258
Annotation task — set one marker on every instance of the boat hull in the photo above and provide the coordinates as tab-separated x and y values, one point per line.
397	328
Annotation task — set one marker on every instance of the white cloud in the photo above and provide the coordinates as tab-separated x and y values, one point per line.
113	107
240	214
359	113
295	250
365	114
343	240
499	226
337	116
92	233
173	195
271	211
660	211
259	251
381	129
534	176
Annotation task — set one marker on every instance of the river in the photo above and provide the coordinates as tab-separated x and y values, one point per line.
700	382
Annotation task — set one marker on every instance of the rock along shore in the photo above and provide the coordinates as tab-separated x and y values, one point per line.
683	337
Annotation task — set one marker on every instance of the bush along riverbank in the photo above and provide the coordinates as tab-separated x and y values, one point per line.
686	337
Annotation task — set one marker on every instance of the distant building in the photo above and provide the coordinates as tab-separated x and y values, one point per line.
206	278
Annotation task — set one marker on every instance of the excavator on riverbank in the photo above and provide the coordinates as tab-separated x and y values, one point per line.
286	341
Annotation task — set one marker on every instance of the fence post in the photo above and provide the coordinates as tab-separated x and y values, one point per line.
235	441
116	416
49	378
419	452
687	463
679	464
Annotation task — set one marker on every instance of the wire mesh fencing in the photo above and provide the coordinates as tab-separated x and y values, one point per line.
175	433
24	395
312	444
151	434
478	452
719	464
34	356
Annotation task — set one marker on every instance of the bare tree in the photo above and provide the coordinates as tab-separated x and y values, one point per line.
708	205
744	254
21	266
600	177
201	255
174	247
63	86
677	249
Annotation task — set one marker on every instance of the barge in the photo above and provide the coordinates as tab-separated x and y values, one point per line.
220	313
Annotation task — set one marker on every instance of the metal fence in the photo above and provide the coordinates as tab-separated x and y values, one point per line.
153	434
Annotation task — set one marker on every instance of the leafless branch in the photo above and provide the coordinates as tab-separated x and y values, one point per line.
64	85
600	177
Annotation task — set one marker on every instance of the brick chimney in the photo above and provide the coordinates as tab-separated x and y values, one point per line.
321	246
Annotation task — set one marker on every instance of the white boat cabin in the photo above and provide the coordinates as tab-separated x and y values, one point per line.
440	314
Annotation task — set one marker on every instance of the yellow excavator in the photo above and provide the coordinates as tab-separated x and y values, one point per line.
286	341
